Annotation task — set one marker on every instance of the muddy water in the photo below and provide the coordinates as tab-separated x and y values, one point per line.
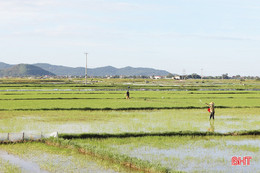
25	165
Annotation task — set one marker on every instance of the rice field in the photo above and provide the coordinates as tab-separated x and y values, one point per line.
70	83
226	120
164	127
185	153
43	158
140	100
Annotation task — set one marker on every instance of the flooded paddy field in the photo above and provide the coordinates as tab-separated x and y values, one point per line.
6	166
153	108
43	158
226	120
186	153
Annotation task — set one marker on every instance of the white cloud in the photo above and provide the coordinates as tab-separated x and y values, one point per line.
17	12
134	29
45	13
206	36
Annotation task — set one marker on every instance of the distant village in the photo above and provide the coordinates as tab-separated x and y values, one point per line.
155	77
48	71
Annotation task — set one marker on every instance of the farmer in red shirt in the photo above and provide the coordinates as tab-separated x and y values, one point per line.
211	110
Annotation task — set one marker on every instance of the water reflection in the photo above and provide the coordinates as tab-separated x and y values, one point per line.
211	126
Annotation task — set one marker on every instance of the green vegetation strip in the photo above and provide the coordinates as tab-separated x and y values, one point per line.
104	154
123	109
180	133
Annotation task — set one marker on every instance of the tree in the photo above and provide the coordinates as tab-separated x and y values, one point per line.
225	76
170	75
194	76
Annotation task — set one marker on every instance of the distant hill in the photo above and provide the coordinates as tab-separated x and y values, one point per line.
24	70
142	71
101	71
48	69
62	70
4	65
126	71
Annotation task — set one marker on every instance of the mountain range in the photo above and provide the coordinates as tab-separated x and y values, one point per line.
41	69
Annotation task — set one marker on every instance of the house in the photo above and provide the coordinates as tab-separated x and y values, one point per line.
177	77
157	77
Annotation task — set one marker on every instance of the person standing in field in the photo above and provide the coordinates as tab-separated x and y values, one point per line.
127	95
211	109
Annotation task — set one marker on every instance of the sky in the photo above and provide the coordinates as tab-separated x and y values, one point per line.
208	37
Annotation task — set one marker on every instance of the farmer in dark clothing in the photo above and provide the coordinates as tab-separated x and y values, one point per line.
211	109
127	95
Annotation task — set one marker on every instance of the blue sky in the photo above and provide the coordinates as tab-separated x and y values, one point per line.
180	36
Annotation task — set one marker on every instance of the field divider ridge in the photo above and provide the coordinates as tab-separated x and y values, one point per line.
125	108
179	133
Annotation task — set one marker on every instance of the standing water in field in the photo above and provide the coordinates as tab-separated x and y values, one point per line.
226	120
188	153
41	157
25	165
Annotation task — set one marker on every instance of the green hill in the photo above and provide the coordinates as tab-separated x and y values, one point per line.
101	71
62	70
24	70
41	69
4	65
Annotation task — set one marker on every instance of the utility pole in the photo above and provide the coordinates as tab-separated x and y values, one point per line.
184	74
86	74
201	73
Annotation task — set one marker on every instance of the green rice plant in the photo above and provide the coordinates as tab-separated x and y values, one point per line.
193	153
7	167
115	122
245	147
60	159
101	152
140	100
